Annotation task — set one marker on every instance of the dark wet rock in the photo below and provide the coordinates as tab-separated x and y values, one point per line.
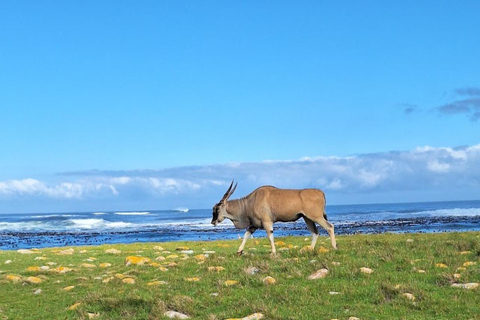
20	240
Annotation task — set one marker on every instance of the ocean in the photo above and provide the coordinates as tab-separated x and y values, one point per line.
18	231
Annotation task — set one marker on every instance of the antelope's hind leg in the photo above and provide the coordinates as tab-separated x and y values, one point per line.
313	229
269	229
330	229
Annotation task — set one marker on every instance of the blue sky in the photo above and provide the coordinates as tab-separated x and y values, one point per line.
113	105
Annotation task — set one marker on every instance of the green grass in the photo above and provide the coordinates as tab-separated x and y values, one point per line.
395	260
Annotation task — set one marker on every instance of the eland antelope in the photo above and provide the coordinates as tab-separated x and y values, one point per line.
267	205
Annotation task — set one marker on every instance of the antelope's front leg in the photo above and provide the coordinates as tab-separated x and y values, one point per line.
247	235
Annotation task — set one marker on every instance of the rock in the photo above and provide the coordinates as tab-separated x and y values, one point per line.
34	280
469	263
40	258
441	265
201	257
322	273
158	248
366	270
193	279
25	251
93	315
172	256
75	306
107	280
13	278
216	269
69	288
38	291
410	240
322	249
156	283
470	286
105	265
306	249
34	269
230	282
65	252
88	265
409	296
8	261
182	248
255	316
353	318
252	270
465	252
134	260
128	281
61	270
113	251
175	315
269	280
187	251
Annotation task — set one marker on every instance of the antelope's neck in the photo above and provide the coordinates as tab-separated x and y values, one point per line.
235	209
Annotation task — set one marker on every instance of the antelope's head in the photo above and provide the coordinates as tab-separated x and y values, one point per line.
219	210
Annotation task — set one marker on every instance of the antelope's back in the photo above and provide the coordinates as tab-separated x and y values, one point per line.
292	201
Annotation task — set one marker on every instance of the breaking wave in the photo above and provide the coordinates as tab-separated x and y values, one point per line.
132	213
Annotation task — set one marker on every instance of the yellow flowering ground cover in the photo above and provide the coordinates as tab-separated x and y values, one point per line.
389	276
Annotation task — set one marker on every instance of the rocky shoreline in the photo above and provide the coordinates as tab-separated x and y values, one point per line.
21	240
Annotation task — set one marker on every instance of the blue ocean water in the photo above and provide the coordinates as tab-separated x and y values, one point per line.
86	228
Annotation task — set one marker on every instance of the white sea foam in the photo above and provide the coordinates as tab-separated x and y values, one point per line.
55	216
87	223
456	212
118	225
182	209
28	226
132	213
99	213
98	224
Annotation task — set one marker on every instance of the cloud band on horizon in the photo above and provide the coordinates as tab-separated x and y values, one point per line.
424	168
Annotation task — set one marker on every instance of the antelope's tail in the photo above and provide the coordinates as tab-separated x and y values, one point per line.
324	206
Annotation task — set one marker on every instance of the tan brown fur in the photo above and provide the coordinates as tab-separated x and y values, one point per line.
267	205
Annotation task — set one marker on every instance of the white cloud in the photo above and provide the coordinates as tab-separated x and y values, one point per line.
436	166
422	169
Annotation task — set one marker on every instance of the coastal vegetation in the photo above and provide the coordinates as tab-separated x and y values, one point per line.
386	276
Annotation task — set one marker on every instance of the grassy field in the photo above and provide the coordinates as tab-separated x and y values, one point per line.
411	278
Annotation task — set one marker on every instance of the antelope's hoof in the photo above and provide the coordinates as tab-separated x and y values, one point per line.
239	253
